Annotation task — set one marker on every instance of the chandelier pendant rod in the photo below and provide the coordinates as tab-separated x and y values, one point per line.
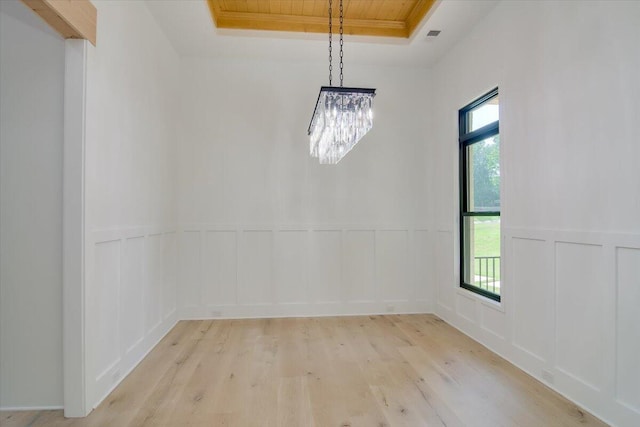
330	39
341	43
342	115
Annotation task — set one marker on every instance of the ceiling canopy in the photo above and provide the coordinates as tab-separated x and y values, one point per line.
388	18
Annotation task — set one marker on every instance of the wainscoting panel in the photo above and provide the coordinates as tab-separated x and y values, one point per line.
493	321
219	267
424	265
291	269
256	268
534	292
189	277
359	265
154	283
579	302
107	338
131	273
466	308
393	266
170	263
444	268
570	314
325	266
627	388
131	293
302	270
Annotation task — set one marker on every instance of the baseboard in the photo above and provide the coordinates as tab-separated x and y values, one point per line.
270	311
508	358
30	408
136	363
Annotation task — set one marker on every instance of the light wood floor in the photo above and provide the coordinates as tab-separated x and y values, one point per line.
337	371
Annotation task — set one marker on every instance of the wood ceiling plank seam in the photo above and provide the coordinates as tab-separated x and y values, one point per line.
369	9
286	7
346	6
253	6
263	6
405	10
395	12
274	6
381	10
320	8
358	9
215	5
296	7
227	5
363	7
307	7
374	9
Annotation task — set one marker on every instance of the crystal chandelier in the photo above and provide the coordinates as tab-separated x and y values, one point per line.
342	116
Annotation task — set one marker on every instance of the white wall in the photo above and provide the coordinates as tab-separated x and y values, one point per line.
198	174
266	231
130	193
569	101
31	142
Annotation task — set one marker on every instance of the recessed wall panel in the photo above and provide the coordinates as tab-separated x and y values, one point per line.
424	265
131	292
444	255
628	327
532	294
154	283
169	263
359	265
325	263
106	340
291	267
219	267
493	321
466	307
580	303
392	262
256	268
189	285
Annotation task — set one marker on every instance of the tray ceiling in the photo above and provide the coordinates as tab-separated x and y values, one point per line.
388	18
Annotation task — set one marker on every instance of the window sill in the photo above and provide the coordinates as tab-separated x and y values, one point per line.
487	302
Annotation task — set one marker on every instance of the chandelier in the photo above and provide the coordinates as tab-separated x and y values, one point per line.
342	116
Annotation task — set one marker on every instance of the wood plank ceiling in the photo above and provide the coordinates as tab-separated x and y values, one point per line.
388	18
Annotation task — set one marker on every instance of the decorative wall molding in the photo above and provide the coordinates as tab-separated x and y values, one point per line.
132	272
258	270
553	279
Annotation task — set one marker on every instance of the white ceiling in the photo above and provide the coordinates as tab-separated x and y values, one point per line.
188	26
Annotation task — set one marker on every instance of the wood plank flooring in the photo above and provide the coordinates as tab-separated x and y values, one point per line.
400	370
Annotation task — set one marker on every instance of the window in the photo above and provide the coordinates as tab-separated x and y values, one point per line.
480	196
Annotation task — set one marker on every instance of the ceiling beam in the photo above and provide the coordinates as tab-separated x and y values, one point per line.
73	19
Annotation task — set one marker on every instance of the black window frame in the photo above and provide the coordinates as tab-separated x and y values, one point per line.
466	139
